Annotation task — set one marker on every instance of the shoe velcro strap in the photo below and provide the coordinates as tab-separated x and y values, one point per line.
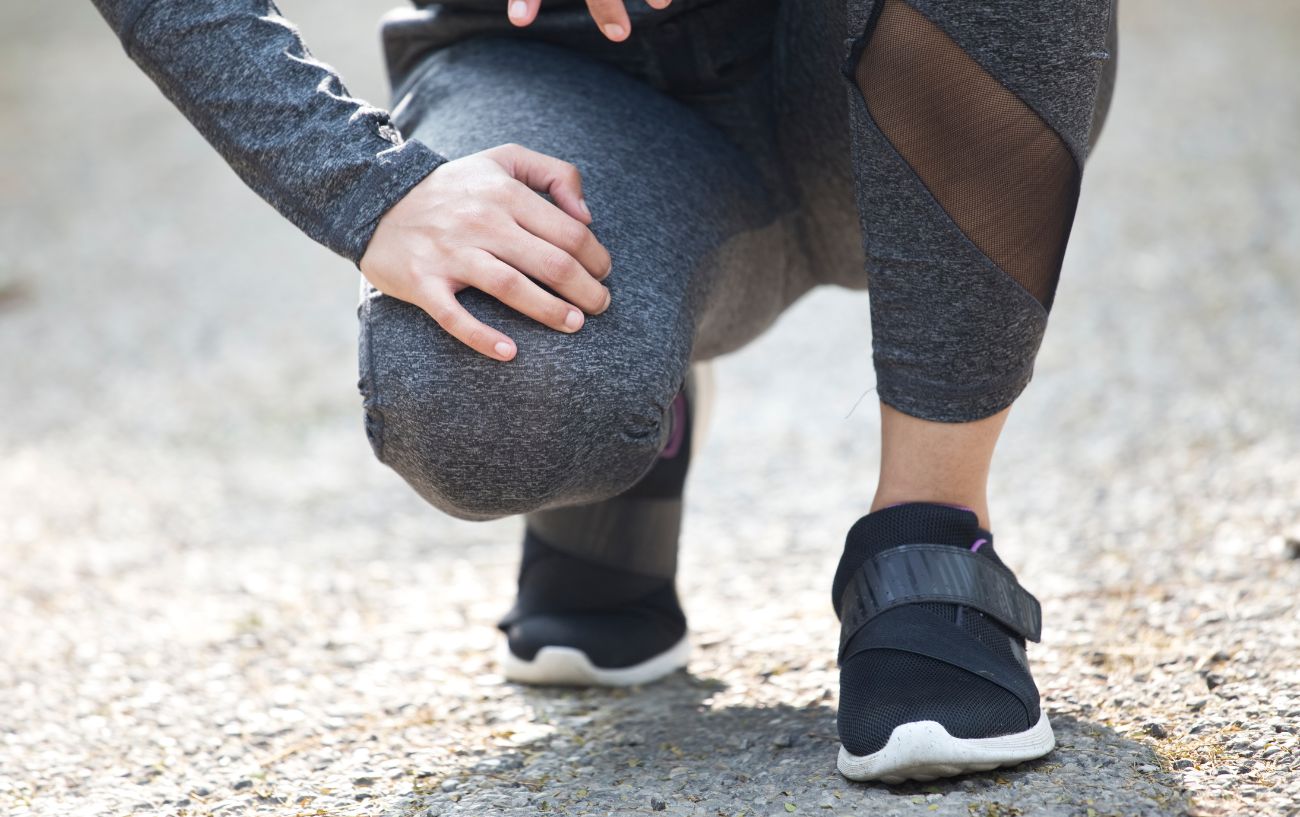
912	574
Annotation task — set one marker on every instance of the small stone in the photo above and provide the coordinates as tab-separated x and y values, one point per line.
363	781
1156	730
1147	768
1196	705
1292	547
782	742
243	784
450	784
657	805
1184	764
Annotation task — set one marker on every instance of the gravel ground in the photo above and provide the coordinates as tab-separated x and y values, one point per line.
214	602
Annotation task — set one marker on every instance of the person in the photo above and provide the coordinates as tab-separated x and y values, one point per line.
573	204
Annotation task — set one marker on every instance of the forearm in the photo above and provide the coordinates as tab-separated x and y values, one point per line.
239	72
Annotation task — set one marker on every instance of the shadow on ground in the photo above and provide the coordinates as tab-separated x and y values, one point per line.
667	749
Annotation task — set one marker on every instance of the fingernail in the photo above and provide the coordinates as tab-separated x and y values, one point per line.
518	9
609	296
503	349
582	203
614	31
573	320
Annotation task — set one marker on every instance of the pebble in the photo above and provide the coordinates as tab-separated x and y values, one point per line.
1292	547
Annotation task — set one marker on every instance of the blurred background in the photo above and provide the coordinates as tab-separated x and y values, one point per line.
212	599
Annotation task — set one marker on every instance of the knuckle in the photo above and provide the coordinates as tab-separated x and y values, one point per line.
470	213
574	236
504	283
503	188
441	313
477	337
557	267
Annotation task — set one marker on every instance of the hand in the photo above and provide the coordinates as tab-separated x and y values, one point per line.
475	222
610	15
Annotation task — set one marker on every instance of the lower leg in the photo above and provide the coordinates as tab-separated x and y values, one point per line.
947	463
597	602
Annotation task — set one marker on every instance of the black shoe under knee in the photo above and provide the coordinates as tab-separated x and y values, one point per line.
597	602
934	680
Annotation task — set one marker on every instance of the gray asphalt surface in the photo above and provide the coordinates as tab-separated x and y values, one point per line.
212	600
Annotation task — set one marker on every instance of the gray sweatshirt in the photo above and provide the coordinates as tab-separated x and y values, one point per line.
239	72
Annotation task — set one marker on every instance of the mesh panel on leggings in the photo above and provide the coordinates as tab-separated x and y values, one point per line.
1001	173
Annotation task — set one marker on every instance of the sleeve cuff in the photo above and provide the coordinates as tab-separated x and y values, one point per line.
395	171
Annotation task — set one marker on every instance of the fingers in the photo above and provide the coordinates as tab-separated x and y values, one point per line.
522	12
541	218
546	174
611	16
441	304
512	288
554	267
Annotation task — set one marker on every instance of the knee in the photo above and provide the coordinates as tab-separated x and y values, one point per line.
481	439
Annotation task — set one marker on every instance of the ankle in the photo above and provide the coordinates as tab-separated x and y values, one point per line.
976	503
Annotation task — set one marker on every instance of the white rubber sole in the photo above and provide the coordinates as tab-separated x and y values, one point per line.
925	751
569	666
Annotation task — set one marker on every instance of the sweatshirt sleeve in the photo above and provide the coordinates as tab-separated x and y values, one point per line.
240	73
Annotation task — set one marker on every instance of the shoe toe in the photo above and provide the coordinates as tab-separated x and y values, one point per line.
883	689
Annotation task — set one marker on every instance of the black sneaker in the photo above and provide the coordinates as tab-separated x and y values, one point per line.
934	680
597	603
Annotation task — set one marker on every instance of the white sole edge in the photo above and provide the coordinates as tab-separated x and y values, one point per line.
569	666
925	751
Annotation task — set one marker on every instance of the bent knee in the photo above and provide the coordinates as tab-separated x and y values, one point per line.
502	454
481	439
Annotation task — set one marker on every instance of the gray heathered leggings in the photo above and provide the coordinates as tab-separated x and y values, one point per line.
736	154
